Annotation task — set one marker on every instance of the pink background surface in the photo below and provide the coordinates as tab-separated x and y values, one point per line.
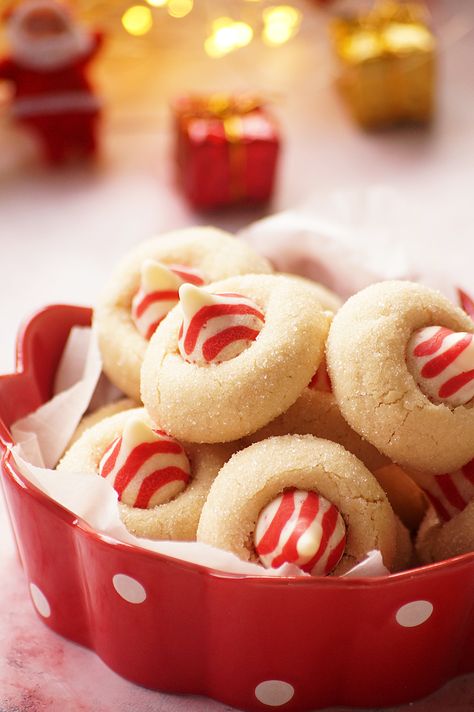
60	233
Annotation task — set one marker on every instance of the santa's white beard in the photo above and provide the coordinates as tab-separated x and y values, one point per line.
50	53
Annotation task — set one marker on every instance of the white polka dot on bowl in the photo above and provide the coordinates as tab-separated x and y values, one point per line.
413	614
274	693
129	588
40	601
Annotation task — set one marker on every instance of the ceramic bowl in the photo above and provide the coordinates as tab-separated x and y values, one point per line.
253	643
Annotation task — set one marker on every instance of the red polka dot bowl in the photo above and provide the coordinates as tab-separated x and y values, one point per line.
253	643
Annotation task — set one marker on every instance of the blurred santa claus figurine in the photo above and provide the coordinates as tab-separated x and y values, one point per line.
48	70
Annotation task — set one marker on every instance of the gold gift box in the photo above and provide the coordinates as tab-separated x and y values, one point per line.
387	64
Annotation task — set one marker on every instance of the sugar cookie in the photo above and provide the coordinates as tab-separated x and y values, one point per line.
147	470
224	401
258	475
438	540
316	413
140	292
369	365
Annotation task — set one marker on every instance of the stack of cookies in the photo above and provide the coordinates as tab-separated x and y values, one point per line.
264	417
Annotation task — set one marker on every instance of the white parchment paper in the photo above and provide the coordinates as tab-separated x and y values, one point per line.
346	240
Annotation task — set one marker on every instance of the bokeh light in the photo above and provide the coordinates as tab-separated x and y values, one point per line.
180	8
227	35
281	23
157	3
137	20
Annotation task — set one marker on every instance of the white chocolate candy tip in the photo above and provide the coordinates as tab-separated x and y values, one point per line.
155	275
193	298
136	431
309	542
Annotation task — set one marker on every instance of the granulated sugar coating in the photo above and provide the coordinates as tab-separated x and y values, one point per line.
176	519
257	475
226	401
377	395
215	253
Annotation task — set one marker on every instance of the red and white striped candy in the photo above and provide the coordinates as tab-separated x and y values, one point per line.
442	363
300	528
321	380
146	467
450	494
158	293
216	327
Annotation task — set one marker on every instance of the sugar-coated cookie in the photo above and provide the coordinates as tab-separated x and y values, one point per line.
143	288
380	393
198	397
143	467
256	476
316	413
438	540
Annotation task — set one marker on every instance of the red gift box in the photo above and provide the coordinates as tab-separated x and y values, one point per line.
227	150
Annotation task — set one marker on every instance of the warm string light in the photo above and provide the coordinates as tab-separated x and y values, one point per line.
280	24
137	20
227	35
180	8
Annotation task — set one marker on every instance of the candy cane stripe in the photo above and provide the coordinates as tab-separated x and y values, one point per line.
450	491
212	347
146	467
442	363
290	552
335	556
158	293
156	481
148	299
467	303
272	536
456	383
301	528
433	344
216	327
200	320
139	455
439	507
111	459
328	527
438	364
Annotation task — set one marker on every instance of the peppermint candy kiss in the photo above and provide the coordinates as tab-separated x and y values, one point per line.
450	494
146	467
321	380
300	528
442	363
216	327
158	293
